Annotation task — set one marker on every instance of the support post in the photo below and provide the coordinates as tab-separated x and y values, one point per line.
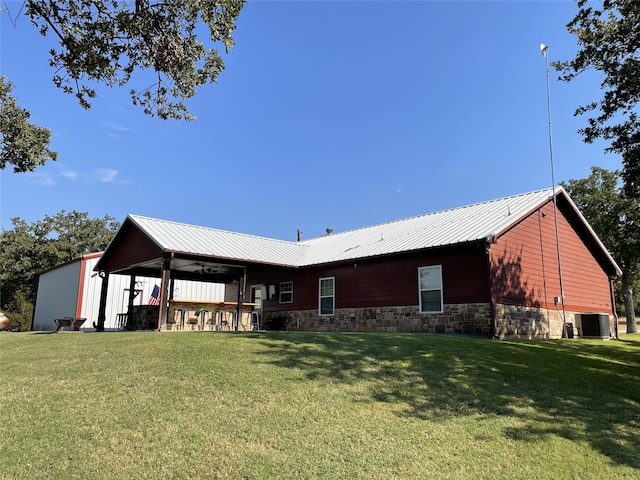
131	324
241	286
166	292
102	309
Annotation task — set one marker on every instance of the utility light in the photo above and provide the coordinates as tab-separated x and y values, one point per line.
544	49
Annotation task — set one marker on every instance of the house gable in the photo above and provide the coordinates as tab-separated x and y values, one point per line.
129	247
524	263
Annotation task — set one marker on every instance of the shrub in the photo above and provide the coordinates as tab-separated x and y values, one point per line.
20	313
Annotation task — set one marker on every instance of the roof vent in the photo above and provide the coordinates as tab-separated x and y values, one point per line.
329	231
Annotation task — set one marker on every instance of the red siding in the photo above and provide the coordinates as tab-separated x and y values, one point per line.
524	263
389	281
138	249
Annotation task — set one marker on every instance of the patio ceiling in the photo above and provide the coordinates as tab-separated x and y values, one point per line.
198	269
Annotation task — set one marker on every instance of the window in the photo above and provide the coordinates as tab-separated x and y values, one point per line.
286	292
430	289
327	296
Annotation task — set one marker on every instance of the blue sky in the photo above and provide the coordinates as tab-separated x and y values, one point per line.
330	114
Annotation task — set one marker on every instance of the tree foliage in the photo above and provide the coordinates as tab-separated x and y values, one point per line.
609	41
28	249
20	313
108	40
22	144
168	45
615	218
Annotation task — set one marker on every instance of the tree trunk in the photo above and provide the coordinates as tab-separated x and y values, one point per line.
632	326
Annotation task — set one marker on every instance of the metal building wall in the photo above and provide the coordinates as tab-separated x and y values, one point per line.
61	292
57	295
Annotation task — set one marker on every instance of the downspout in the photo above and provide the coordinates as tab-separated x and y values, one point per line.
613	307
492	307
541	215
564	313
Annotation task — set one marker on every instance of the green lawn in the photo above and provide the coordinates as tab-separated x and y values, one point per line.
291	405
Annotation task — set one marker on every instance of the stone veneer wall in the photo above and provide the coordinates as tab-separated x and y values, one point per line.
521	322
466	319
145	316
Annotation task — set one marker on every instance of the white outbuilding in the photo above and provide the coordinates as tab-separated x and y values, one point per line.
73	290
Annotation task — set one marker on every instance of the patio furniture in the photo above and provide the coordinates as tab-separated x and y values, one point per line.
211	321
201	315
193	323
223	323
121	320
73	322
255	320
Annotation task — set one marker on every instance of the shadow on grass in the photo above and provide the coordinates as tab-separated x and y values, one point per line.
581	391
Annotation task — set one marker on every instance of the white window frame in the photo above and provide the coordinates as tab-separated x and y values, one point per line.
437	269
282	290
332	296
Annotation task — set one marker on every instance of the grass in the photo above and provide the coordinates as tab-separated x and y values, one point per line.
138	405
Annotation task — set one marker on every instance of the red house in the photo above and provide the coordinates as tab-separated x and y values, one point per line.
524	265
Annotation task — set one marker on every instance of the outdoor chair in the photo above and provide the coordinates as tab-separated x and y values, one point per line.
193	323
255	320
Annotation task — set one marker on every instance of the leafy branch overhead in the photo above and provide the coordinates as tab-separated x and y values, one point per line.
107	41
608	36
22	144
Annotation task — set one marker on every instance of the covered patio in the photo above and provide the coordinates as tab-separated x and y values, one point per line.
211	316
170	251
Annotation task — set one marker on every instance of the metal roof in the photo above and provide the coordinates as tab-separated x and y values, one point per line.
458	225
192	239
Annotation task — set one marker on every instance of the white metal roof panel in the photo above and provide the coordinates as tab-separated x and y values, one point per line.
180	237
447	227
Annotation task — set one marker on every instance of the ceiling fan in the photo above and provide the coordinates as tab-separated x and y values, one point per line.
206	269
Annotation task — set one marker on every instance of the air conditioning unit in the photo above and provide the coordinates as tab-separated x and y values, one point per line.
595	325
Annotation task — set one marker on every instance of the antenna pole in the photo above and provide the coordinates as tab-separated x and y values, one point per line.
544	49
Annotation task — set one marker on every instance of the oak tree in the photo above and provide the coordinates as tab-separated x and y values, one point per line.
22	144
608	36
615	218
165	49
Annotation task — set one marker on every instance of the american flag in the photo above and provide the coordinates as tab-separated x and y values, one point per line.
154	299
